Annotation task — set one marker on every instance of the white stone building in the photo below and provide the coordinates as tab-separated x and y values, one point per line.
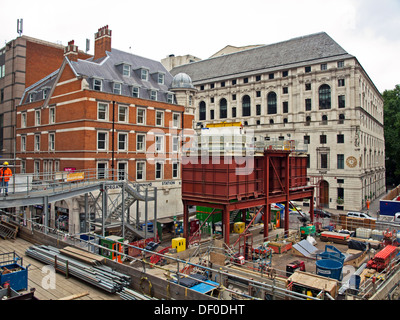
306	89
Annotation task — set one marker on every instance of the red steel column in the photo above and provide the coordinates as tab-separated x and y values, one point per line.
225	224
267	217
186	222
287	185
267	207
312	209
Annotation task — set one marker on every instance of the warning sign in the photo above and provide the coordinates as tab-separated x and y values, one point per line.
75	176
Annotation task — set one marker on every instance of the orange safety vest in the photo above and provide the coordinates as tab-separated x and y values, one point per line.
5	173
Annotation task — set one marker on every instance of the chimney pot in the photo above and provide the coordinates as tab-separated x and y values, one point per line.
102	42
71	51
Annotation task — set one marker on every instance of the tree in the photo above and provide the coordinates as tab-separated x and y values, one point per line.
392	135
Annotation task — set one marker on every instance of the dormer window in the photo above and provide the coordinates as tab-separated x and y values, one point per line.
135	92
97	85
126	70
117	88
170	98
31	96
161	78
153	95
144	74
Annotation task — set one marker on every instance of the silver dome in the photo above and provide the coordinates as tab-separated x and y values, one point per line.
182	80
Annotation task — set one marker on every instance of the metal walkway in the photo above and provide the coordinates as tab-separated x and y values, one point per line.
29	190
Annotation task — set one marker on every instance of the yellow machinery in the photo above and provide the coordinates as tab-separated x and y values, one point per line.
239	227
224	124
179	244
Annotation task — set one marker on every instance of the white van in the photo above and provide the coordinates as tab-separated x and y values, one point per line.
396	217
363	215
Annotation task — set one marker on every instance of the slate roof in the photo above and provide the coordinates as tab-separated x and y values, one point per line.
314	48
109	70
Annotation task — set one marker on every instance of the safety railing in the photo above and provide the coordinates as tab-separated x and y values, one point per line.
64	181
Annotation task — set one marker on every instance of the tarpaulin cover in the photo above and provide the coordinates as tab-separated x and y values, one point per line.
357	245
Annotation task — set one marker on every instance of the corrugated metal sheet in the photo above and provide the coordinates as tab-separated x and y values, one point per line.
305	248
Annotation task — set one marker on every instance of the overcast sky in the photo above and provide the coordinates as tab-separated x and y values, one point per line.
367	29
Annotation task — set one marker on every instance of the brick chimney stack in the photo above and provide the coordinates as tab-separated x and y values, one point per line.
102	42
71	51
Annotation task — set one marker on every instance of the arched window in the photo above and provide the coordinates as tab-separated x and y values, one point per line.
341	118
246	106
271	100
223	109
324	119
324	97
202	111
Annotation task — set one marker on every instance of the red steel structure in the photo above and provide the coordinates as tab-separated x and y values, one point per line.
233	183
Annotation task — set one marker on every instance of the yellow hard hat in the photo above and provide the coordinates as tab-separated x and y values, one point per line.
5	163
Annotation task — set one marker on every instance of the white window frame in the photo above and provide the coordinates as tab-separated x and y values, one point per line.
45	173
23	143
52	141
23	119
105	169
37	117
37	142
161	78
153	95
159	143
125	141
31	97
126	70
105	111
117	88
175	163
135	92
170	98
176	122
160	170
141	163
105	141
144	116
97	83
144	74
124	113
56	165
52	115
23	166
36	168
119	171
175	144
159	118
143	143
50	168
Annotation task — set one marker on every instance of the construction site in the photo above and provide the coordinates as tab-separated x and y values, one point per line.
248	232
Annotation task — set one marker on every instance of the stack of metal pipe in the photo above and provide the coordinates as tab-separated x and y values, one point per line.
128	294
100	276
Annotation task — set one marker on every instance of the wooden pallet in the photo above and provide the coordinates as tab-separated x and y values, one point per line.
83	255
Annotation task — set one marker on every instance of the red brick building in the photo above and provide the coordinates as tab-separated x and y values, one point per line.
113	111
23	61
